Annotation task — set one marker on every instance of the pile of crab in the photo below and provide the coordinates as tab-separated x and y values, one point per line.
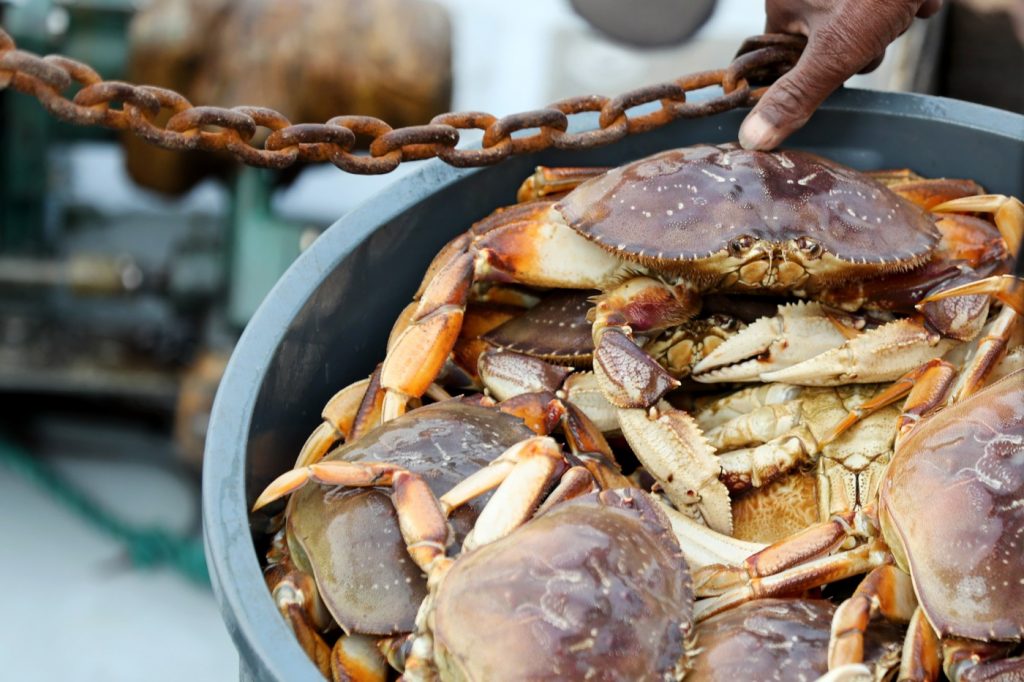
714	414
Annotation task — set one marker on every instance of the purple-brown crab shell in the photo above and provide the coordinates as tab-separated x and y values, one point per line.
678	207
556	329
952	513
596	588
779	639
349	538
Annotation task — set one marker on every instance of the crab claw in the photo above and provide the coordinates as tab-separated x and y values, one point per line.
879	355
851	672
627	375
798	332
330	473
672	448
1007	212
1007	288
507	374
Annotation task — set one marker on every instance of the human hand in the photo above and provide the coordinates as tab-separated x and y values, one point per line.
844	37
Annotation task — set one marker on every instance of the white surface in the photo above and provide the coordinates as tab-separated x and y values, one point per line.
76	610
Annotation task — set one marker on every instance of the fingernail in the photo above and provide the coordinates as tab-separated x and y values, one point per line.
757	133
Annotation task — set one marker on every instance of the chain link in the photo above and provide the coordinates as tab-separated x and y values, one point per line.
367	145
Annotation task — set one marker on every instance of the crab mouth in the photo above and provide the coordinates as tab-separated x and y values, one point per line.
772	268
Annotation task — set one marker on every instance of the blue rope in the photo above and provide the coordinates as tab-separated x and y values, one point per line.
147	547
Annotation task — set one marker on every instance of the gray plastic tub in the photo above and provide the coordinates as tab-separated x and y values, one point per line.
325	323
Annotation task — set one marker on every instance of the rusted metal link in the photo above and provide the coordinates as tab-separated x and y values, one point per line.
764	60
263	137
547	120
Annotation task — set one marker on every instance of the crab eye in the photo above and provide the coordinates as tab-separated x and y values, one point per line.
740	245
809	246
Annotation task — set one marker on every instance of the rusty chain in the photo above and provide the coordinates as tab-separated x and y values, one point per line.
341	139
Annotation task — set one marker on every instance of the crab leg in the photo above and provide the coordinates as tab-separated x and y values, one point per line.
930	385
929	193
480	318
1007	288
548	182
814	573
887	591
814	542
575	482
541	412
422	348
517	497
542	449
339	416
509	374
298	600
990	349
1007	212
525	244
705	547
522	474
963	659
589	446
357	658
922	650
927	386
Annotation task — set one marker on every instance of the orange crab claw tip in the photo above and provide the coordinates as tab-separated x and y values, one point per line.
1007	288
980	203
285	484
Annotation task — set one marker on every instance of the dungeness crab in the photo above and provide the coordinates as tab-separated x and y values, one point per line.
656	235
943	550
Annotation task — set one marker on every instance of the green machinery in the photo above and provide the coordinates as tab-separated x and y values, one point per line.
100	298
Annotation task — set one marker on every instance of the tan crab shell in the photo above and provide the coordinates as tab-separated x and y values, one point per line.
952	513
349	538
556	329
773	640
597	587
697	210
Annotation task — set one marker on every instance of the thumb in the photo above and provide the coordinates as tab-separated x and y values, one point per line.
791	100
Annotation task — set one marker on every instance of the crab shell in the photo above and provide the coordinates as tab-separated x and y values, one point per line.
595	587
779	639
556	329
951	513
734	218
349	539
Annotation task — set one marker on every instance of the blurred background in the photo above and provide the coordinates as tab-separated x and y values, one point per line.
127	272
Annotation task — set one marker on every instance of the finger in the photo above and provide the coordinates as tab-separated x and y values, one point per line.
873	64
788	103
781	19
